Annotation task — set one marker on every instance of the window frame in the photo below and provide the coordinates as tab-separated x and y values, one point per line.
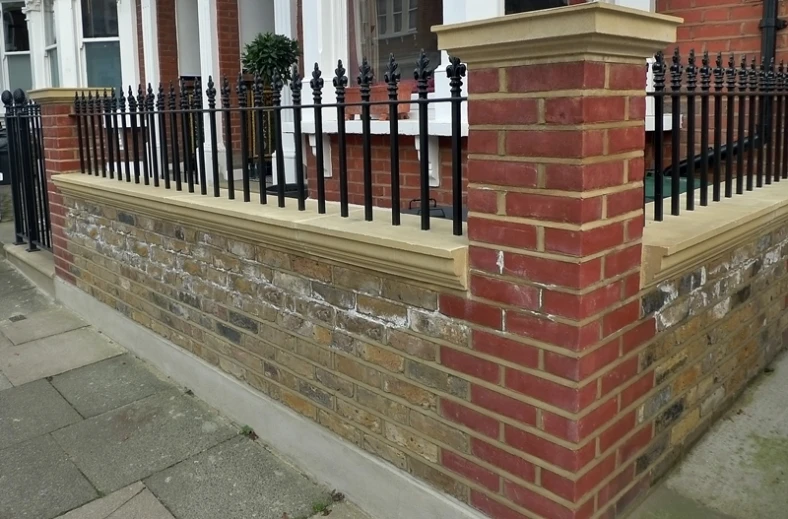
49	7
5	54
82	41
405	29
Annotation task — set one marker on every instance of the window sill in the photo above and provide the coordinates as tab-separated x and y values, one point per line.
436	258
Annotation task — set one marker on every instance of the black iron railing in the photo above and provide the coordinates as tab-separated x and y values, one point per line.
29	190
162	139
727	131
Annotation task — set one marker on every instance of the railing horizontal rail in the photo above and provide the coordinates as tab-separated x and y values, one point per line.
172	138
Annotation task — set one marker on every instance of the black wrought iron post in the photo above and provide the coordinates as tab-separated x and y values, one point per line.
456	71
317	96
422	75
392	79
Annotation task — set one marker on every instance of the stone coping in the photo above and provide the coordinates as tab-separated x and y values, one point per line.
435	258
59	96
594	30
683	243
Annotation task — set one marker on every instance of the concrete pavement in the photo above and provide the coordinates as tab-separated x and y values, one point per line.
87	431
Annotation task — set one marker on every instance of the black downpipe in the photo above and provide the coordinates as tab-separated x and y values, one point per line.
769	25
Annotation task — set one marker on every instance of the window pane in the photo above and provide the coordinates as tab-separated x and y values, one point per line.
15	27
103	64
99	18
49	25
410	25
20	74
381	7
54	67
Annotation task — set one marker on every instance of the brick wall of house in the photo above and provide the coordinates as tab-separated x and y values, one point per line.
381	169
168	41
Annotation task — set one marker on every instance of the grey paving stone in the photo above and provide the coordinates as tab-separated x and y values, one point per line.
55	355
12	281
236	480
128	444
4	383
107	385
32	410
144	505
102	508
41	325
39	482
23	302
5	266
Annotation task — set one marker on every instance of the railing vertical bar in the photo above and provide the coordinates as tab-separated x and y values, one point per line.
211	93
658	69
296	86
15	164
340	83
778	121
42	178
150	104
186	133
692	73
742	138
718	99
80	143
260	136
93	139
456	70
199	137
165	159
752	77
174	139
761	126
108	128
730	74
134	136
364	82
705	82
392	78
675	175
767	113
317	84
143	131
125	135
422	75
784	98
241	92
100	114
280	159
28	176
116	135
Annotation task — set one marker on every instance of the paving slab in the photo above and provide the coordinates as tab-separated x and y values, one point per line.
41	325
109	384
12	281
5	383
39	482
23	302
102	508
32	410
122	446
5	266
54	355
236	480
739	470
143	506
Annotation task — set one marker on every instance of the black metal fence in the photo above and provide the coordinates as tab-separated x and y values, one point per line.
728	130
161	138
29	190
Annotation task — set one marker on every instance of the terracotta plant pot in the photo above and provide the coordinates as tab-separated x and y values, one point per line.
381	112
352	95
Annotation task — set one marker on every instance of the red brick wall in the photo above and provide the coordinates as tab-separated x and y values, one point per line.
168	41
381	171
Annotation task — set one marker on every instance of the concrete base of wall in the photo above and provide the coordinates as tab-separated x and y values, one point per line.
377	487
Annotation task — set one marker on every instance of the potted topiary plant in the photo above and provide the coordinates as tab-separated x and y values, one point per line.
271	56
